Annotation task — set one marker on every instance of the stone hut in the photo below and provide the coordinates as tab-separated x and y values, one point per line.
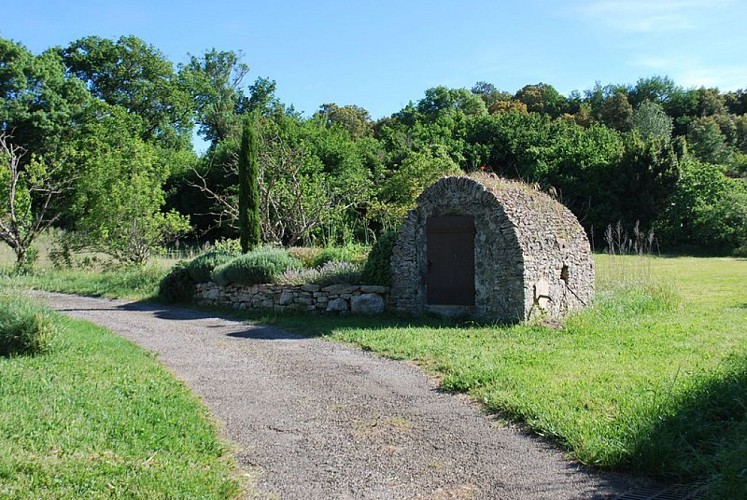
492	249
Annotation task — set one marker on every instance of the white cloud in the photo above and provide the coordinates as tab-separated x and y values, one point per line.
646	16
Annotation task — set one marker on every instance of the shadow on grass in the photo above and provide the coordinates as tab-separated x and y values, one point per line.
703	436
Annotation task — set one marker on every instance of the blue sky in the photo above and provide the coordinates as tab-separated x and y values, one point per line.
382	54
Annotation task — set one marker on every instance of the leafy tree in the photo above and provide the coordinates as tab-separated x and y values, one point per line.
659	89
214	83
440	101
489	94
710	102
706	210
616	112
706	141
736	101
120	193
542	98
29	196
354	119
137	77
651	122
262	97
39	106
641	181
249	221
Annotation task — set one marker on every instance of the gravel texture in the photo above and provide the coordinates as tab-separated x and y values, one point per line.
315	419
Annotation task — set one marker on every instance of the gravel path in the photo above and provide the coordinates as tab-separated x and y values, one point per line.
314	419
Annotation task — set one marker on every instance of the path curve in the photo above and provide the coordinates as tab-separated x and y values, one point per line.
315	419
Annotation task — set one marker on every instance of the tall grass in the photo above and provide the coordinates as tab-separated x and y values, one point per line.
24	327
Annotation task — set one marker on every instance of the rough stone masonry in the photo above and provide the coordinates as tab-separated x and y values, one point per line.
532	258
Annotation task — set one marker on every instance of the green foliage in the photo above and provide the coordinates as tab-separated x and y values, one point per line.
404	184
706	141
178	285
118	206
201	267
353	254
650	379
39	105
705	207
99	417
260	266
137	77
542	98
651	122
250	230
24	328
378	269
330	273
703	433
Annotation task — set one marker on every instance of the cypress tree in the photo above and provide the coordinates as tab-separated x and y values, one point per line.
249	223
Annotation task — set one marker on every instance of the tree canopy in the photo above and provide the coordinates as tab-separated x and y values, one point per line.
118	117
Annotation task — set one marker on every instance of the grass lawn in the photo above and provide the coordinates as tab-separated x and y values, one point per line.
652	379
98	417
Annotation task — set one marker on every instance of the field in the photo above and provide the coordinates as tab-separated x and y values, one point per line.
652	379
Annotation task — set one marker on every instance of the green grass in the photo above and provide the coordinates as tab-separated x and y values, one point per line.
126	283
652	379
98	417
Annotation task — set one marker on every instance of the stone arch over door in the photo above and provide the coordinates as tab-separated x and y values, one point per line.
531	255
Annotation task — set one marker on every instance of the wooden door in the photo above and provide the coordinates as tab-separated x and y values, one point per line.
450	242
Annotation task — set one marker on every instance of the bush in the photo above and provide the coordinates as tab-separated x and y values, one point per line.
331	273
351	254
201	267
178	285
253	268
307	255
24	328
378	268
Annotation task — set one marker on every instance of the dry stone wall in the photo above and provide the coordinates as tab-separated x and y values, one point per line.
532	257
363	299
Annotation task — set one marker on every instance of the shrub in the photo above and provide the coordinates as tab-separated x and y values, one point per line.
259	266
202	266
228	245
178	285
307	255
331	273
351	254
338	273
24	328
378	269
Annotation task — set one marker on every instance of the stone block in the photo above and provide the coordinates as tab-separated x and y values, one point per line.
338	305
373	289
367	303
286	298
339	289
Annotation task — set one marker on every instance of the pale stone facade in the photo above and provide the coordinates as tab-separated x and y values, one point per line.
531	256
